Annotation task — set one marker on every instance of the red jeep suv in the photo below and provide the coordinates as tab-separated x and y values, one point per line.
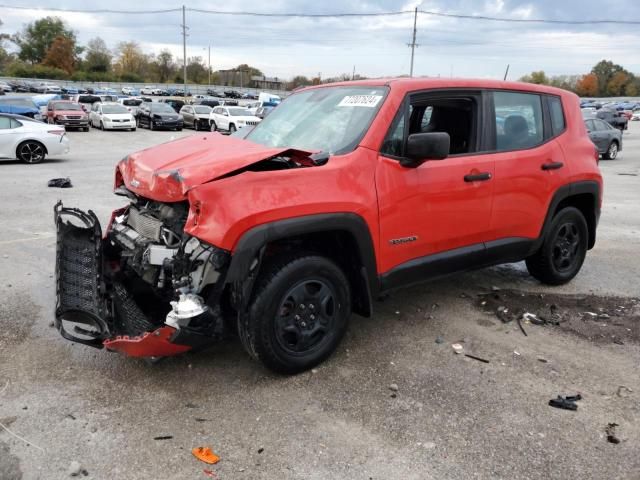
278	233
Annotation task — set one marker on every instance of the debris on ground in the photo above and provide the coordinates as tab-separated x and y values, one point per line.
566	403
457	348
605	320
611	433
210	473
261	449
483	360
163	437
439	339
620	392
75	469
60	183
206	455
393	387
519	320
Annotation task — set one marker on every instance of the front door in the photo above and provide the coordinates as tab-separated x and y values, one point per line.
441	208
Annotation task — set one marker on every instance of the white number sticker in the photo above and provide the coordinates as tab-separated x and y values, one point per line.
360	101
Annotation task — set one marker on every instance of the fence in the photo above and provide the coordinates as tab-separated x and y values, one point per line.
195	89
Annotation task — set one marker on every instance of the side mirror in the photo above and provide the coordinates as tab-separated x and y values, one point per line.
426	146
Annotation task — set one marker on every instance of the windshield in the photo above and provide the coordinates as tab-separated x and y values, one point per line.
66	106
132	103
114	109
18	102
240	112
330	119
162	108
202	109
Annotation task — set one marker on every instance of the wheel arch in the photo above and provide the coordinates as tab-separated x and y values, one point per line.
30	139
343	237
585	196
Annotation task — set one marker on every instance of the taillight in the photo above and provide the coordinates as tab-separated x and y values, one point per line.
597	155
56	132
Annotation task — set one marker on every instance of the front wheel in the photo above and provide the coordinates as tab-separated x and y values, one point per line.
151	125
612	151
214	127
298	314
564	249
232	128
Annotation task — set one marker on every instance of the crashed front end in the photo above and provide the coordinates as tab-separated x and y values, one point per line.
145	288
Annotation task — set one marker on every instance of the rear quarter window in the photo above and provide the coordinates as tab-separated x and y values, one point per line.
558	123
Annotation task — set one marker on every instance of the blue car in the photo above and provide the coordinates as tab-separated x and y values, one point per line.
24	106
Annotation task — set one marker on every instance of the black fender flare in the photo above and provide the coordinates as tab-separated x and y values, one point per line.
251	242
566	191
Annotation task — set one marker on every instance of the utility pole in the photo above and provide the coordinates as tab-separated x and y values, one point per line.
413	44
506	72
353	75
209	66
184	50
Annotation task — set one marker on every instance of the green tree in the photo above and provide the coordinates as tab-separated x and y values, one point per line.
249	71
196	70
98	56
37	37
298	81
605	70
631	89
164	66
617	84
539	78
131	61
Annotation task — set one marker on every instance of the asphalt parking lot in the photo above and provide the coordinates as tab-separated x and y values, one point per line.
452	417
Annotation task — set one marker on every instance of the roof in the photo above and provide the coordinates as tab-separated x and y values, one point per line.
407	84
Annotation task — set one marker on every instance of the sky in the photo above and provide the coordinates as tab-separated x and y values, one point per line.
374	46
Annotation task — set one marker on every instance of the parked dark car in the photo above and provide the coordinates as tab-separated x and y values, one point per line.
215	93
208	102
606	138
250	96
158	115
173	103
613	118
232	94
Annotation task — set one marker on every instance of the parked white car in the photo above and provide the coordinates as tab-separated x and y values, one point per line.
636	116
30	140
48	88
131	104
5	87
127	90
231	118
111	116
148	90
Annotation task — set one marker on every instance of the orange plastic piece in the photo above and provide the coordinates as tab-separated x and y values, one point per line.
205	455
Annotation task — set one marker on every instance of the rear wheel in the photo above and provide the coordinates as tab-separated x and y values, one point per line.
564	249
298	314
101	125
151	125
232	128
214	127
612	151
30	152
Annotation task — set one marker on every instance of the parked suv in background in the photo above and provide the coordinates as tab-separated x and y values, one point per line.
613	118
343	192
231	119
67	113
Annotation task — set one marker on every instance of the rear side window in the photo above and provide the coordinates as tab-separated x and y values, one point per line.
518	120
557	115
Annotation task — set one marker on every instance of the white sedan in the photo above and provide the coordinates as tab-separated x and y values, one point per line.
30	140
111	116
231	119
148	90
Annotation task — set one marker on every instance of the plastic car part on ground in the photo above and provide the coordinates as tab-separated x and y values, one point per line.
150	344
206	455
60	183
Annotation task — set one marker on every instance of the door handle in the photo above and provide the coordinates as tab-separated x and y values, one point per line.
477	177
552	166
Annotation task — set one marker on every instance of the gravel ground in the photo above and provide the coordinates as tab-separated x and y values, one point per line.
451	417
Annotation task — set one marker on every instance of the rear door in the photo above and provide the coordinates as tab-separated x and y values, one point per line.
530	165
10	131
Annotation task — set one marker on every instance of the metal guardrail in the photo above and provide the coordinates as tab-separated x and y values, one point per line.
195	89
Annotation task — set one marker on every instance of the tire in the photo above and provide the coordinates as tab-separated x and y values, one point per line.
101	125
31	152
232	128
179	129
612	151
86	129
133	129
195	126
564	249
151	125
138	124
314	295
214	127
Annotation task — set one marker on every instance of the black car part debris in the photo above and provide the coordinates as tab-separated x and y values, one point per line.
60	183
611	433
566	403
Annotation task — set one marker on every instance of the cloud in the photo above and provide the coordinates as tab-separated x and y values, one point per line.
376	46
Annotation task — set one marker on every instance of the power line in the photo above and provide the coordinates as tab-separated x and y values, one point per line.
337	15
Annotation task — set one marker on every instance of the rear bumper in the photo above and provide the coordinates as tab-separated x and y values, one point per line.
94	307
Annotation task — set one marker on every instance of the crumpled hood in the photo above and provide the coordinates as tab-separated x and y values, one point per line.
168	171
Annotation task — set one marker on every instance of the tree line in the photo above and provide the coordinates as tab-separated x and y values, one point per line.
606	79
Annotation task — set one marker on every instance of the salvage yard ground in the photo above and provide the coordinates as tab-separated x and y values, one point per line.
452	417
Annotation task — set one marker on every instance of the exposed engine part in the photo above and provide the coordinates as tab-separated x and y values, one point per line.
146	225
184	310
157	254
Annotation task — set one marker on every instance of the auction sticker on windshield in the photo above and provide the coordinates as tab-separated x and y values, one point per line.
360	101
